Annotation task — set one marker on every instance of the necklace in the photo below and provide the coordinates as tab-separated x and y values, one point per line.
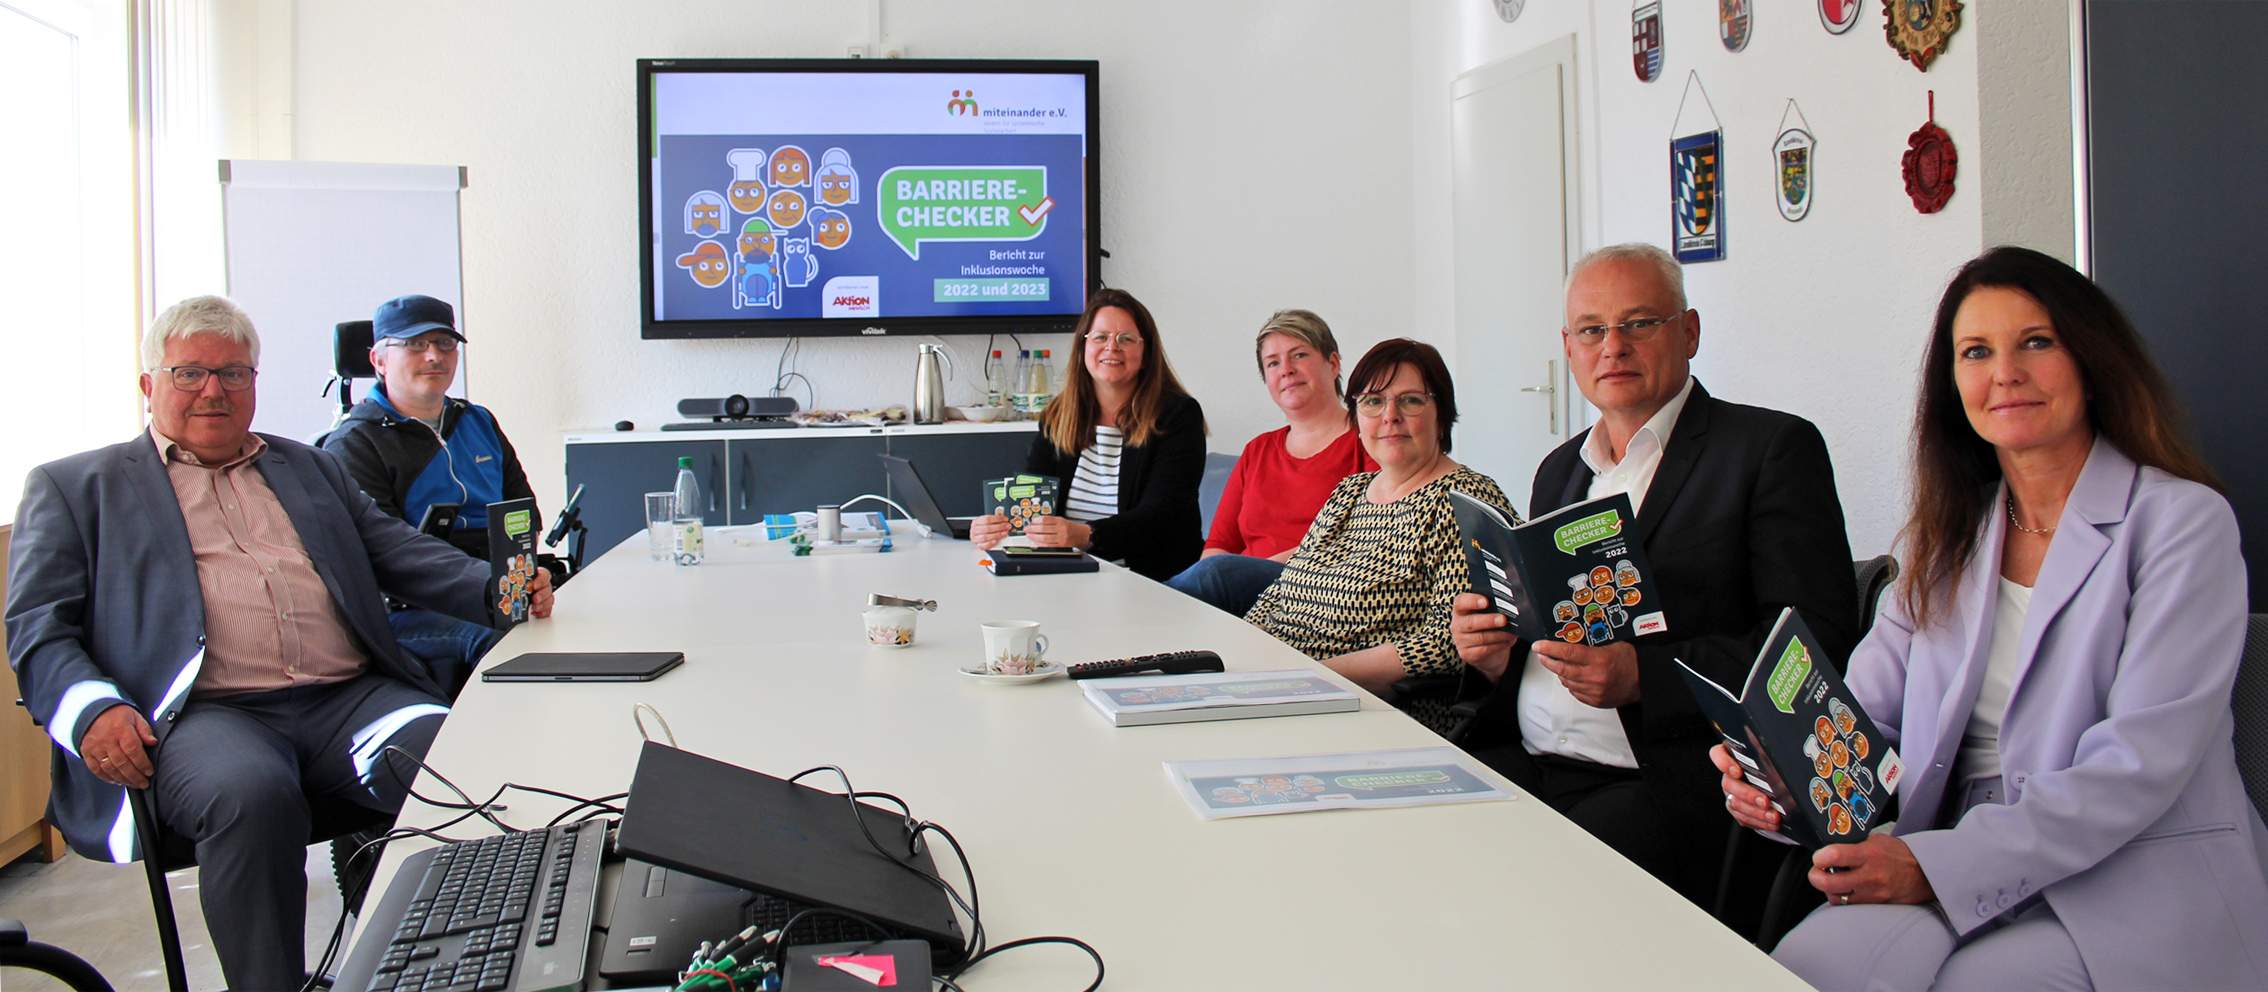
2018	524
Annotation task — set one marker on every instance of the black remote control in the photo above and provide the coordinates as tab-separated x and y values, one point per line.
1169	663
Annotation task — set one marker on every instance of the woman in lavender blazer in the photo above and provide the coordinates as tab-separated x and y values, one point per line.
2055	671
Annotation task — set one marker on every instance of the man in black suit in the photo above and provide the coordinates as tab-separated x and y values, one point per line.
1737	512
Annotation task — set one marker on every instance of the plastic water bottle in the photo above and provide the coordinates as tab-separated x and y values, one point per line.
1017	386
992	375
686	530
1043	380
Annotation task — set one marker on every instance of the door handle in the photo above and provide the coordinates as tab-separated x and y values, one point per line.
1550	391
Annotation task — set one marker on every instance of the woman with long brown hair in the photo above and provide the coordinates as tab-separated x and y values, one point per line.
1127	445
2055	673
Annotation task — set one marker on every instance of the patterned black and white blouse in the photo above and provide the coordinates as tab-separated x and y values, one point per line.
1367	575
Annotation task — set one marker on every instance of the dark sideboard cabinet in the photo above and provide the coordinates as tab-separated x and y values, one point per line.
747	474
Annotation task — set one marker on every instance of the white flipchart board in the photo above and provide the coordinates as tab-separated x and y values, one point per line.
314	244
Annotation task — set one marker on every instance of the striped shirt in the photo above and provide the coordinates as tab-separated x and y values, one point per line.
1094	484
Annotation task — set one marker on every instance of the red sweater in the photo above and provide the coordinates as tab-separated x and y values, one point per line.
1285	493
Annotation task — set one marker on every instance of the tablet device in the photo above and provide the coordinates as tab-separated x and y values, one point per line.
624	666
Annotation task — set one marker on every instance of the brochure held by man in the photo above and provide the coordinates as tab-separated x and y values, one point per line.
1801	737
1576	574
512	560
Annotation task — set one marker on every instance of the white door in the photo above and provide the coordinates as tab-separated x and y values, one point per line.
1513	137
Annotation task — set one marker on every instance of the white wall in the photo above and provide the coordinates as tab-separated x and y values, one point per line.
1247	165
1825	317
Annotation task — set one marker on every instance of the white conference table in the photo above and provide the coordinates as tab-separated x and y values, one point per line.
1072	825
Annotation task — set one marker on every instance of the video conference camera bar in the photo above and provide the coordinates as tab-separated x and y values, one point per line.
736	412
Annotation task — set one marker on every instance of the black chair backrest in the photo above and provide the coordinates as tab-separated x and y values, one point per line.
1874	575
350	350
2251	706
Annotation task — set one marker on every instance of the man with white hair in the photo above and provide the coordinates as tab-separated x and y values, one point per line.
1738	516
198	612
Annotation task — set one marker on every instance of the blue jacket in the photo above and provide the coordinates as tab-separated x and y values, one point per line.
103	600
406	468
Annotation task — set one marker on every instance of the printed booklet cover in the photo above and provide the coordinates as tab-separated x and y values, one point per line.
1794	715
1573	574
1422	776
1142	700
512	558
1020	498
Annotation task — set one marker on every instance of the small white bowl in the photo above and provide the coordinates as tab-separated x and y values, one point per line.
1046	670
985	414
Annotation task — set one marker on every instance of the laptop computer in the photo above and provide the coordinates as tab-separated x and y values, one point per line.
748	829
915	495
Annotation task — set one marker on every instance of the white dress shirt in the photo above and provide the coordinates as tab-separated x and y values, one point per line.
1552	720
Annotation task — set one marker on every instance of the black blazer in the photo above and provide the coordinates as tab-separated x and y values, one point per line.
1741	520
1157	531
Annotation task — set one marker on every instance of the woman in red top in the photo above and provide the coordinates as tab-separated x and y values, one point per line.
1284	476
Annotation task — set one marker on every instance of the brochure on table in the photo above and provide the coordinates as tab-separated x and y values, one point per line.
1143	700
1576	574
1425	776
1802	738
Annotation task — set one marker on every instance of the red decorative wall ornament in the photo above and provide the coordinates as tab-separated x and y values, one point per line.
1930	162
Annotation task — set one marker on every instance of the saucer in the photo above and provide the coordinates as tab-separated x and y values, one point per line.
1046	670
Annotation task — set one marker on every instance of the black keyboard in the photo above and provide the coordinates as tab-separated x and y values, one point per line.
499	913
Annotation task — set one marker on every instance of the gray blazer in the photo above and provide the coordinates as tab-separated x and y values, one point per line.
2126	810
103	602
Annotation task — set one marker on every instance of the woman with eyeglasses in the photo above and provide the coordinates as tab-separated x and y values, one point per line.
1284	476
1127	445
2055	671
1368	590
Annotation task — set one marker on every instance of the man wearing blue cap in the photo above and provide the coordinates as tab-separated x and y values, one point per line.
411	445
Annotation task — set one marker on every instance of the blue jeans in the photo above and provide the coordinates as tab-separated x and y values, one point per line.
1228	582
449	647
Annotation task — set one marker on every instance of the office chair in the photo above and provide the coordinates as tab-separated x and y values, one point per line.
1790	897
18	950
163	851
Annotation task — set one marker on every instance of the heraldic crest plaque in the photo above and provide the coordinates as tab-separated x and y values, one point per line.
1918	28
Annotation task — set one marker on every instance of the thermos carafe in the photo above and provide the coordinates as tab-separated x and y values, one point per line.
929	384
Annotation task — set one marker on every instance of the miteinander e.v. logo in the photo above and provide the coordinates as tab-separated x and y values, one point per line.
962	103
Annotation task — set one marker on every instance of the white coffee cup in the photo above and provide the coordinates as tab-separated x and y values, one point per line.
890	626
1013	647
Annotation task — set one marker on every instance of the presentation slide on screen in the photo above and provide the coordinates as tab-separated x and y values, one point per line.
865	195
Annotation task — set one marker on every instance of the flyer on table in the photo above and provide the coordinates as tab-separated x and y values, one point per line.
1424	776
867	195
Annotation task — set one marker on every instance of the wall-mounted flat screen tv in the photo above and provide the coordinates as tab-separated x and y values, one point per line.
790	197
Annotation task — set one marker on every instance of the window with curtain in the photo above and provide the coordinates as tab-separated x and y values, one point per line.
67	235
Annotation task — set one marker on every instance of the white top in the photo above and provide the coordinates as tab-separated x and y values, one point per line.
1094	484
1552	720
1053	803
1980	743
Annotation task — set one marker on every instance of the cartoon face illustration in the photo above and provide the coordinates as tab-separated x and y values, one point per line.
1845	722
1838	819
707	265
1825	730
838	182
790	167
1630	597
1842	754
830	228
1820	795
786	209
1563	611
704	214
1583	596
837	186
1858	745
755	239
1625	573
747	189
1571	632
1823	764
1601	576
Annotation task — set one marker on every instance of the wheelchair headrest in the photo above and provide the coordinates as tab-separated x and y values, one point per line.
350	350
